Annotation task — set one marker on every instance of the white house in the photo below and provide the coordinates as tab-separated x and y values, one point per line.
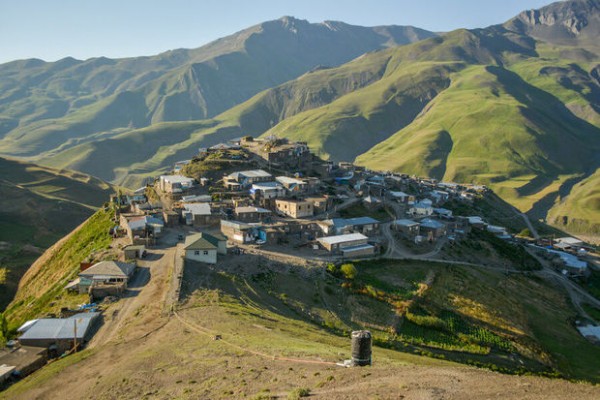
268	190
422	208
204	247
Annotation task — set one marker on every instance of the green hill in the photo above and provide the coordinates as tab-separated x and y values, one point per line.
578	210
283	327
514	106
51	106
490	106
39	206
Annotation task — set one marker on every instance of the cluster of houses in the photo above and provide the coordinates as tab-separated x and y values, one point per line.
290	207
294	205
567	254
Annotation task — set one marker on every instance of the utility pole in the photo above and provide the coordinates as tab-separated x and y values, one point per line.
75	334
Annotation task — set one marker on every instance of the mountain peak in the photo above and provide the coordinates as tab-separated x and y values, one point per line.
560	21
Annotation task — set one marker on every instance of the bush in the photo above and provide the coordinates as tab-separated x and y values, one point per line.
349	271
298	393
332	269
525	232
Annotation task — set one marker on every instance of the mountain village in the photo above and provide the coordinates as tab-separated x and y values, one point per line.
277	200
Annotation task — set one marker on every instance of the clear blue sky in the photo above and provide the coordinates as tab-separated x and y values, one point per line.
53	29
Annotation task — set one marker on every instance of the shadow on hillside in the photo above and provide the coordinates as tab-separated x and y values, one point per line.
140	279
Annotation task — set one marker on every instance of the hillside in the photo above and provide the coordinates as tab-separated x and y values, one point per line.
39	206
45	107
579	209
505	106
283	327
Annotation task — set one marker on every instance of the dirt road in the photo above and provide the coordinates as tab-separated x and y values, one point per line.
147	290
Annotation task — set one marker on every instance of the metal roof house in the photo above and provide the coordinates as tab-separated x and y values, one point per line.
175	183
350	245
408	227
338	226
61	334
241	179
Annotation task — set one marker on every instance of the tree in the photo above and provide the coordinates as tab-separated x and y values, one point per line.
332	269
349	271
525	232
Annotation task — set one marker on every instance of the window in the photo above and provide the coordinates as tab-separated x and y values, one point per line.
205	252
196	252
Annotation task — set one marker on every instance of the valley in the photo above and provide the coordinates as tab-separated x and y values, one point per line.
271	316
219	222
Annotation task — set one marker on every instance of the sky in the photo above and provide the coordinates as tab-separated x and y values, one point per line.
54	29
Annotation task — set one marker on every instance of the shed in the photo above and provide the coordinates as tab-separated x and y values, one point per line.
60	334
132	252
334	244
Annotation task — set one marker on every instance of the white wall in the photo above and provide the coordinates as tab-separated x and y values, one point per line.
209	258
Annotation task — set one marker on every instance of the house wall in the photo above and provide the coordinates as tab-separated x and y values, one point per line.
222	247
205	256
334	248
295	209
206	220
130	254
368	229
409	231
360	253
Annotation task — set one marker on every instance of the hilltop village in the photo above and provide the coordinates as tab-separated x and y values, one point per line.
277	199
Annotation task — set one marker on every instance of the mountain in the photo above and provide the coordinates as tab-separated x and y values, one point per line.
39	206
571	23
515	106
53	106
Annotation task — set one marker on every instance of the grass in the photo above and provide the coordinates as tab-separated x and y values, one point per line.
39	206
41	289
47	373
578	211
463	314
592	283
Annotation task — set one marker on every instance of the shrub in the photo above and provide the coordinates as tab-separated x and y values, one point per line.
349	271
332	269
298	393
525	232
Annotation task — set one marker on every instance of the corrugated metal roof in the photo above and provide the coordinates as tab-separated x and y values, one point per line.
267	185
431	224
342	238
198	208
250	209
176	179
60	328
286	180
360	247
406	222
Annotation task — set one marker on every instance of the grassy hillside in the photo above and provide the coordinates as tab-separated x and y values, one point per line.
579	210
39	206
511	106
283	327
41	290
51	106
